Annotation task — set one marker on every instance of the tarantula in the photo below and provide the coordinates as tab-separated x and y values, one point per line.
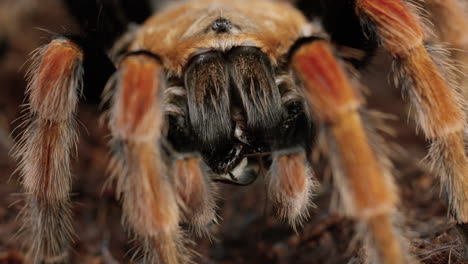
218	90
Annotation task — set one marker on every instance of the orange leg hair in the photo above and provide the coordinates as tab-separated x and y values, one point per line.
290	186
45	148
136	119
366	188
439	108
196	195
450	18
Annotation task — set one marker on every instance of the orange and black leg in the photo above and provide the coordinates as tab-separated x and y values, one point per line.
367	192
440	109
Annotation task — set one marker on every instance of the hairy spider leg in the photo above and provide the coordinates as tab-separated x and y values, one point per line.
46	146
136	121
440	110
366	188
451	23
56	83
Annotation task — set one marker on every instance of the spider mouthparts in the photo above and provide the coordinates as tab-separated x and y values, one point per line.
244	174
232	176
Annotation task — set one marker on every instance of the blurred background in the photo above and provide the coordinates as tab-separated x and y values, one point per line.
246	232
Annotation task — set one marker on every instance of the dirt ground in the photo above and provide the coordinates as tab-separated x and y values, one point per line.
245	233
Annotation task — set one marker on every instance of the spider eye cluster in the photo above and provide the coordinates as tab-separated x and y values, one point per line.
221	25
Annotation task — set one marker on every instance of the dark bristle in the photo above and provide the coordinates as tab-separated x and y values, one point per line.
299	43
207	85
252	75
146	53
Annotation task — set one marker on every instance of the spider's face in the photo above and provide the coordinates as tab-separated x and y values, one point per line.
229	87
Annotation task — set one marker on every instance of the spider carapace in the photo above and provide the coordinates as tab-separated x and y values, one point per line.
218	90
